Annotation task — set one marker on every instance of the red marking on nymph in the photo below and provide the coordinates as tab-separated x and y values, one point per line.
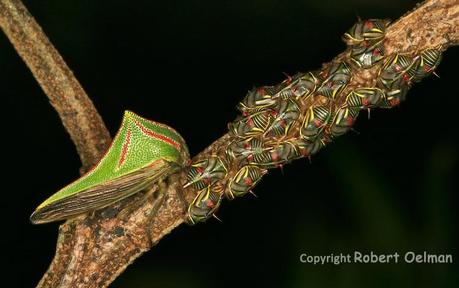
406	77
274	155
158	136
248	181
394	102
273	113
349	120
317	122
125	148
304	151
209	203
261	91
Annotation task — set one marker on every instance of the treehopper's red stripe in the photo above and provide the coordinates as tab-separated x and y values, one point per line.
156	163
125	148
158	136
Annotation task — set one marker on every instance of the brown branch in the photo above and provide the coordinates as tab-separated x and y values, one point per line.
93	250
75	109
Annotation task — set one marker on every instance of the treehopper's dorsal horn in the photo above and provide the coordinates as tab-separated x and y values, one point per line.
141	153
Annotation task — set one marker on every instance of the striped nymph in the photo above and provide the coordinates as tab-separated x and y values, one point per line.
143	152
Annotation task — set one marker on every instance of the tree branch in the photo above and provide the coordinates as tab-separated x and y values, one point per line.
78	114
92	250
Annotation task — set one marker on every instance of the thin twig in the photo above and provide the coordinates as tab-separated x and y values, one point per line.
93	250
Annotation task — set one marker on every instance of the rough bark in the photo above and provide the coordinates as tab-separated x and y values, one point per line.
78	114
92	250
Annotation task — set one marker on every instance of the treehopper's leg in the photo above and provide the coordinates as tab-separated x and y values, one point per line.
157	197
180	191
160	195
132	206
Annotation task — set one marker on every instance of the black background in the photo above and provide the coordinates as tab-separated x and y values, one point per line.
390	188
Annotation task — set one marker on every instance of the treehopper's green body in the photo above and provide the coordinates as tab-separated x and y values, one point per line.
141	153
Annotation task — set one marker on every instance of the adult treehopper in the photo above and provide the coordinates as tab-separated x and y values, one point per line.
141	153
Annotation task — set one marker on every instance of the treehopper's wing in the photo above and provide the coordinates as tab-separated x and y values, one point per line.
141	153
101	195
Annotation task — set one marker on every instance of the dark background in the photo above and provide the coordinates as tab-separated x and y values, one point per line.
390	188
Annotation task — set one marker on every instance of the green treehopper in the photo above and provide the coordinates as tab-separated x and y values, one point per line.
142	153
